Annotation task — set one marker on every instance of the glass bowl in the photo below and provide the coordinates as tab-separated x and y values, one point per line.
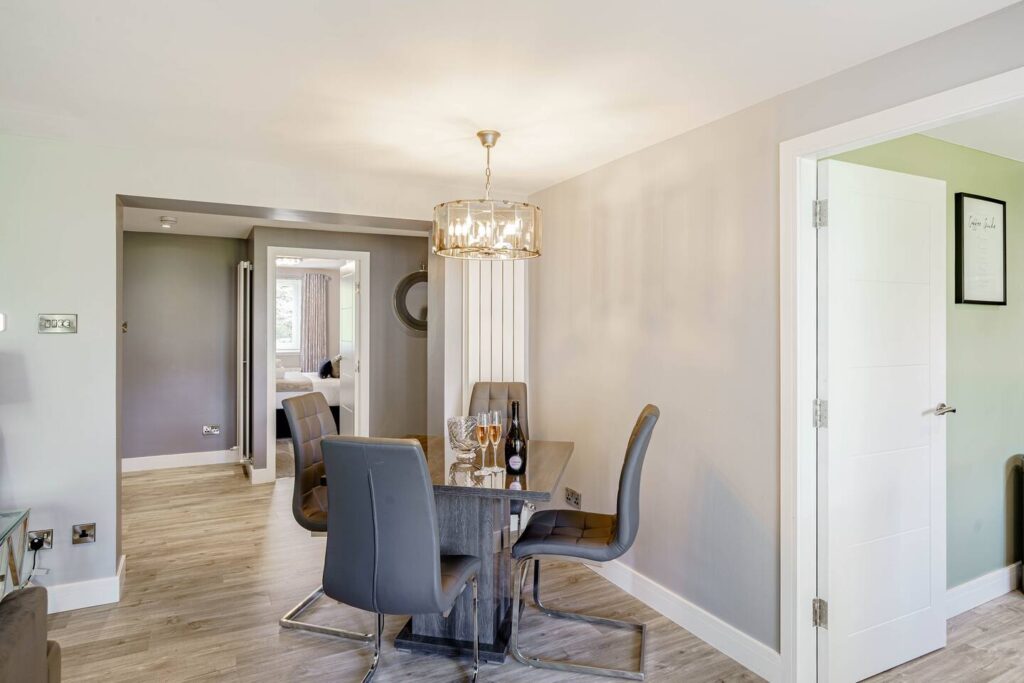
462	437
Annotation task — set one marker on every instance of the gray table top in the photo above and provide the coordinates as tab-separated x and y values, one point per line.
545	463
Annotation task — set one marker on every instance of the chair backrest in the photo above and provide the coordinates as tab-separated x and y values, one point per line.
628	505
383	547
310	420
488	396
23	635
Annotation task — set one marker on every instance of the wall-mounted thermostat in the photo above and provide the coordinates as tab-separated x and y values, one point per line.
58	323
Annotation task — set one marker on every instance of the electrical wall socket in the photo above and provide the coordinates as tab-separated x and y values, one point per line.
573	497
45	534
211	430
83	533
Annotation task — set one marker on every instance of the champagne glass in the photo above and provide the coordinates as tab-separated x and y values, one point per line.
482	428
495	425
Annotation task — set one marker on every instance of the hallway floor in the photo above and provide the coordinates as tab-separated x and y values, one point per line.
213	563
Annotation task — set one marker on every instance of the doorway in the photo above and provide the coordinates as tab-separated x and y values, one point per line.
801	507
318	341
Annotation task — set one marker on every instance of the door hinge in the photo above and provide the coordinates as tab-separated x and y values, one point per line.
820	413
820	213
358	365
819	613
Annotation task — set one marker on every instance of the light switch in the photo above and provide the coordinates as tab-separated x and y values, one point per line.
3	322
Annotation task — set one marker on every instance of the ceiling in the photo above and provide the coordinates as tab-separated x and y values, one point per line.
999	131
400	87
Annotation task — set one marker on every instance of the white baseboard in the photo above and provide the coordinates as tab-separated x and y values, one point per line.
976	592
259	475
161	462
68	596
751	653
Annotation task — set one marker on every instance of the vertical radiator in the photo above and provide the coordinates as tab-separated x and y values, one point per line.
243	369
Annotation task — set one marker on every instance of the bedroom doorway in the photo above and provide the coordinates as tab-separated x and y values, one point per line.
318	321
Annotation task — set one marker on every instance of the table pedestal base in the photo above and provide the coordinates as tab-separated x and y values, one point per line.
491	653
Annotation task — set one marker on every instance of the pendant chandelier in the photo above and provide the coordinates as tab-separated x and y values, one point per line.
487	229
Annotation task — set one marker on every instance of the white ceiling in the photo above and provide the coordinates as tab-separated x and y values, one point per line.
1000	131
401	87
209	225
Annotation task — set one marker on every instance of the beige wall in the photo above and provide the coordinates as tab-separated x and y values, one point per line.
659	283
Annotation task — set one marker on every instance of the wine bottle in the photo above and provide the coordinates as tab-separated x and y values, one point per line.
515	444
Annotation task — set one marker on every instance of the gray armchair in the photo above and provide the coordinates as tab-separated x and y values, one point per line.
384	547
26	655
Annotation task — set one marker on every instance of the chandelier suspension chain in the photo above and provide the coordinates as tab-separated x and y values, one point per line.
487	175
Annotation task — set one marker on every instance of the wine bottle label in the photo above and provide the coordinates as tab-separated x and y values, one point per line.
515	462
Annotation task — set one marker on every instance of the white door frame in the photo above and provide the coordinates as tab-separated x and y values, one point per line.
362	398
798	337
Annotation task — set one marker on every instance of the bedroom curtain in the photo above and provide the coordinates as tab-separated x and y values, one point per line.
313	346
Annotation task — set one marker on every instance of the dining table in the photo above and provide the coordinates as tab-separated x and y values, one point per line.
473	514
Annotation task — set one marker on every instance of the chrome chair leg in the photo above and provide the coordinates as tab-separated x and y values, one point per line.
290	620
519	577
376	649
476	632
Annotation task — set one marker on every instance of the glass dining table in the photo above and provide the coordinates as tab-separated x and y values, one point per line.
473	519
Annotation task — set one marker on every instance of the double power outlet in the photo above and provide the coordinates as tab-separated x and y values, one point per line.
573	497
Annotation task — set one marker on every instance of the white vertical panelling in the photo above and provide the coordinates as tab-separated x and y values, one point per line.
520	314
495	315
507	327
471	328
483	334
497	307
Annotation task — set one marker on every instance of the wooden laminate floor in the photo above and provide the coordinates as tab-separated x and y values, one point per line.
213	563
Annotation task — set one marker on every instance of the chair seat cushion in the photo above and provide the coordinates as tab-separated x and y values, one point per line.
570	533
456	570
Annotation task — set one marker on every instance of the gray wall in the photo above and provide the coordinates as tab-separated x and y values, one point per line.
179	353
666	269
398	362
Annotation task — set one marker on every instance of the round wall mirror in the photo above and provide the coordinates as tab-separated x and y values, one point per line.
411	301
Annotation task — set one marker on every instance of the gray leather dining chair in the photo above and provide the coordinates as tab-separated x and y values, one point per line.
588	537
310	420
488	396
384	547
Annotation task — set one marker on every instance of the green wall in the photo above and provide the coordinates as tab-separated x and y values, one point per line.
985	378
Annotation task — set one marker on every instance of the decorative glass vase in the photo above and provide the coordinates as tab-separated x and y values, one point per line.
462	437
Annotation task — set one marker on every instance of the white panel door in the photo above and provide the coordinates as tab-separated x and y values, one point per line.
882	455
349	348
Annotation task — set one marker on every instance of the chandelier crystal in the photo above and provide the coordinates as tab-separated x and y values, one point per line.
487	229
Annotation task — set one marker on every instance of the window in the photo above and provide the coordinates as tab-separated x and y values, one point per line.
289	314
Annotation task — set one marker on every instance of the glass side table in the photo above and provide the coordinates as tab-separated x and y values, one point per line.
13	546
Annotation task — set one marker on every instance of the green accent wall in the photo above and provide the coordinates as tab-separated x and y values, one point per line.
985	347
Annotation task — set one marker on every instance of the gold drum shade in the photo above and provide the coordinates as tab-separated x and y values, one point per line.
487	229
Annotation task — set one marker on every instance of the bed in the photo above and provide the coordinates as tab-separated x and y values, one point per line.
293	383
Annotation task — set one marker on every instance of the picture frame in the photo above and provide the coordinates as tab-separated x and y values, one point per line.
980	250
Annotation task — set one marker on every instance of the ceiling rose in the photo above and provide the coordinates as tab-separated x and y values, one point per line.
487	229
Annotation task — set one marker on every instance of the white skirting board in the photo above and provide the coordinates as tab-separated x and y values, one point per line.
976	592
261	475
161	462
68	596
751	653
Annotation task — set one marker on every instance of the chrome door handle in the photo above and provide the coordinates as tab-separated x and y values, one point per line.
942	409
